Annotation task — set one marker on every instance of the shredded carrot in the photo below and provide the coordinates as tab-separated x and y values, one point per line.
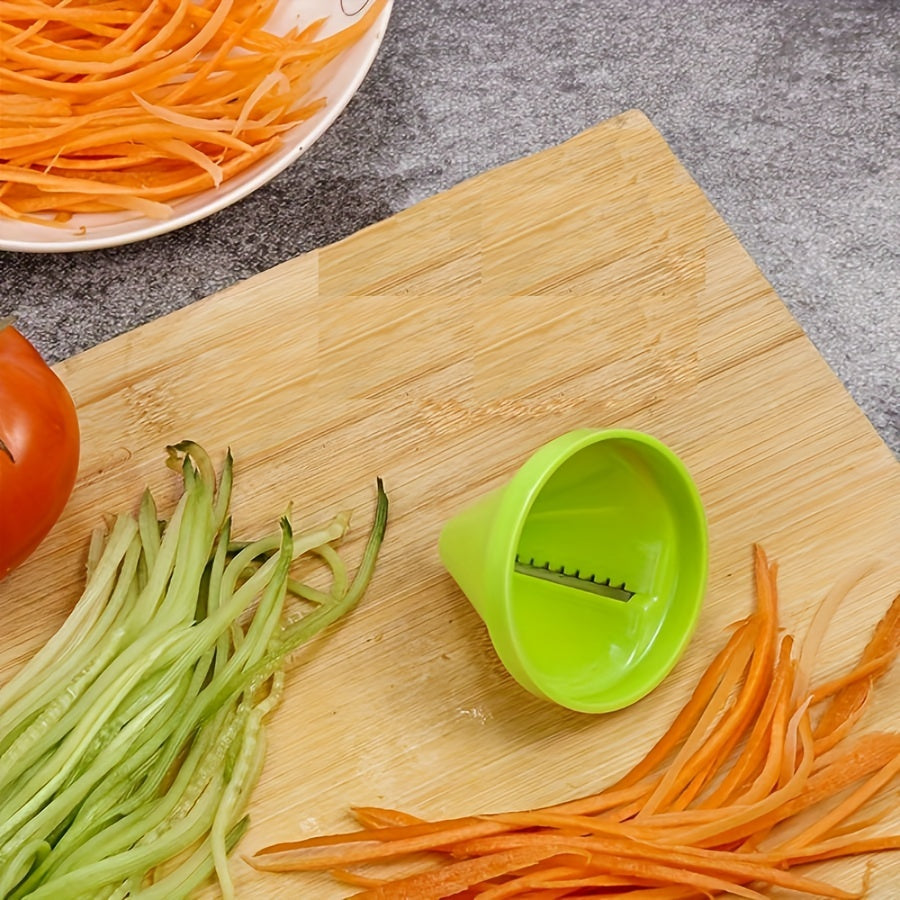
883	645
700	737
135	104
849	716
844	847
548	878
818	627
747	705
714	807
865	670
690	714
750	867
376	817
762	754
847	806
452	879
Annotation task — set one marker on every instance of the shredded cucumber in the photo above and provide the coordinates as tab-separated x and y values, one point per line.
131	742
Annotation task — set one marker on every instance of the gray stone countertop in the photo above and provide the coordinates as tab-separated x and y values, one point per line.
787	113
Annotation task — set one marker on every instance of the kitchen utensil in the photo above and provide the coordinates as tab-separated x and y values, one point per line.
588	567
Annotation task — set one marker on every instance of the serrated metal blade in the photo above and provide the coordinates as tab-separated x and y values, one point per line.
589	583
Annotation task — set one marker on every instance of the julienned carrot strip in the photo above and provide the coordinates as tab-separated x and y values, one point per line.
791	740
275	83
872	753
767	778
691	822
539	887
841	847
356	879
447	880
741	868
64	60
13	175
738	821
759	763
548	878
384	834
172	189
686	720
792	778
821	619
93	164
539	894
377	817
238	37
210	75
850	717
856	826
611	799
846	807
842	766
178	149
80	14
749	701
451	879
130	38
312	855
849	701
885	641
574	825
862	672
670	892
153	72
149	208
675	776
144	133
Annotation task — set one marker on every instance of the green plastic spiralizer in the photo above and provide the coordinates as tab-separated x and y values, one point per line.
588	567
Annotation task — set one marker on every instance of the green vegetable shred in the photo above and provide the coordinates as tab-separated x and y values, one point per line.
131	742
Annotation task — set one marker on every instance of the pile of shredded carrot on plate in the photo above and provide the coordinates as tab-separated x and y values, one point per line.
111	105
760	773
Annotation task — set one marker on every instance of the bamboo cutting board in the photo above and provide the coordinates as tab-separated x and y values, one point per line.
589	285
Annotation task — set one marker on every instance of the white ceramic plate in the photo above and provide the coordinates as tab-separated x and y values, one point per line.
338	83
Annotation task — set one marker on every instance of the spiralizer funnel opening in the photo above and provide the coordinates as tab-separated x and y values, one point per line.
588	567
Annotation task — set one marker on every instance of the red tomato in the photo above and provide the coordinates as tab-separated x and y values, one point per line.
39	448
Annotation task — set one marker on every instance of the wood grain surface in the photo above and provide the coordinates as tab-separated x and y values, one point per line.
589	285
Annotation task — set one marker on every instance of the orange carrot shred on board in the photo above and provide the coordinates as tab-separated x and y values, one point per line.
706	752
455	877
678	772
744	786
692	711
741	867
872	668
832	849
377	817
670	892
884	644
760	760
824	614
560	878
154	100
448	880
